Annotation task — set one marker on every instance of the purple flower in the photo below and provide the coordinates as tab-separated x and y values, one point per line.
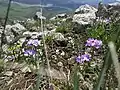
98	43
106	20
33	42
82	58
29	52
78	59
29	42
85	57
91	42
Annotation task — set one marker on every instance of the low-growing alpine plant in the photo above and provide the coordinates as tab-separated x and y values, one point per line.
34	42
29	52
31	47
83	58
91	43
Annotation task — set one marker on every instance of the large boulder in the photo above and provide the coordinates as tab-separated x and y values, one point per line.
12	31
15	29
18	28
85	14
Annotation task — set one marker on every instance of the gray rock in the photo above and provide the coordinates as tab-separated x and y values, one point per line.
9	73
30	21
39	15
33	35
5	48
22	40
27	33
18	28
60	64
8	30
15	29
59	16
85	14
53	18
59	36
63	15
10	38
12	31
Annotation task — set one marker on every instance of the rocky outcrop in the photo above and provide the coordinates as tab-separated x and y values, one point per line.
38	15
60	16
34	35
18	28
85	14
11	32
102	11
108	11
63	15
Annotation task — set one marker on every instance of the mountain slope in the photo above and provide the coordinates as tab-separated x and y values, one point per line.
43	1
24	11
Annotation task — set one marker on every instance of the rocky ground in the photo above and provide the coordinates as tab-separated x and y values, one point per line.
65	37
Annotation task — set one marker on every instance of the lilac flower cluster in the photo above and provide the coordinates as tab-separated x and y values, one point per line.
91	42
31	51
83	58
33	42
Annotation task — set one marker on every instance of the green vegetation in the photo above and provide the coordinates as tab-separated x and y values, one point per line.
64	27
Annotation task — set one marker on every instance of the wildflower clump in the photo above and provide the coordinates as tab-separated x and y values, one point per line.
91	43
83	58
34	42
29	52
31	46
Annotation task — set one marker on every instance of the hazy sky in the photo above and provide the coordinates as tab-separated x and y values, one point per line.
64	1
94	0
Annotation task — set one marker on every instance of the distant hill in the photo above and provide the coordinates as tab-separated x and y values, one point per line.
65	3
55	2
24	11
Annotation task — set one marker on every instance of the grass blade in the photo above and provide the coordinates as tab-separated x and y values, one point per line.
76	80
102	74
115	61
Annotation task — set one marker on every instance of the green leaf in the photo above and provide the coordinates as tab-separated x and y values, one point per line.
76	80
